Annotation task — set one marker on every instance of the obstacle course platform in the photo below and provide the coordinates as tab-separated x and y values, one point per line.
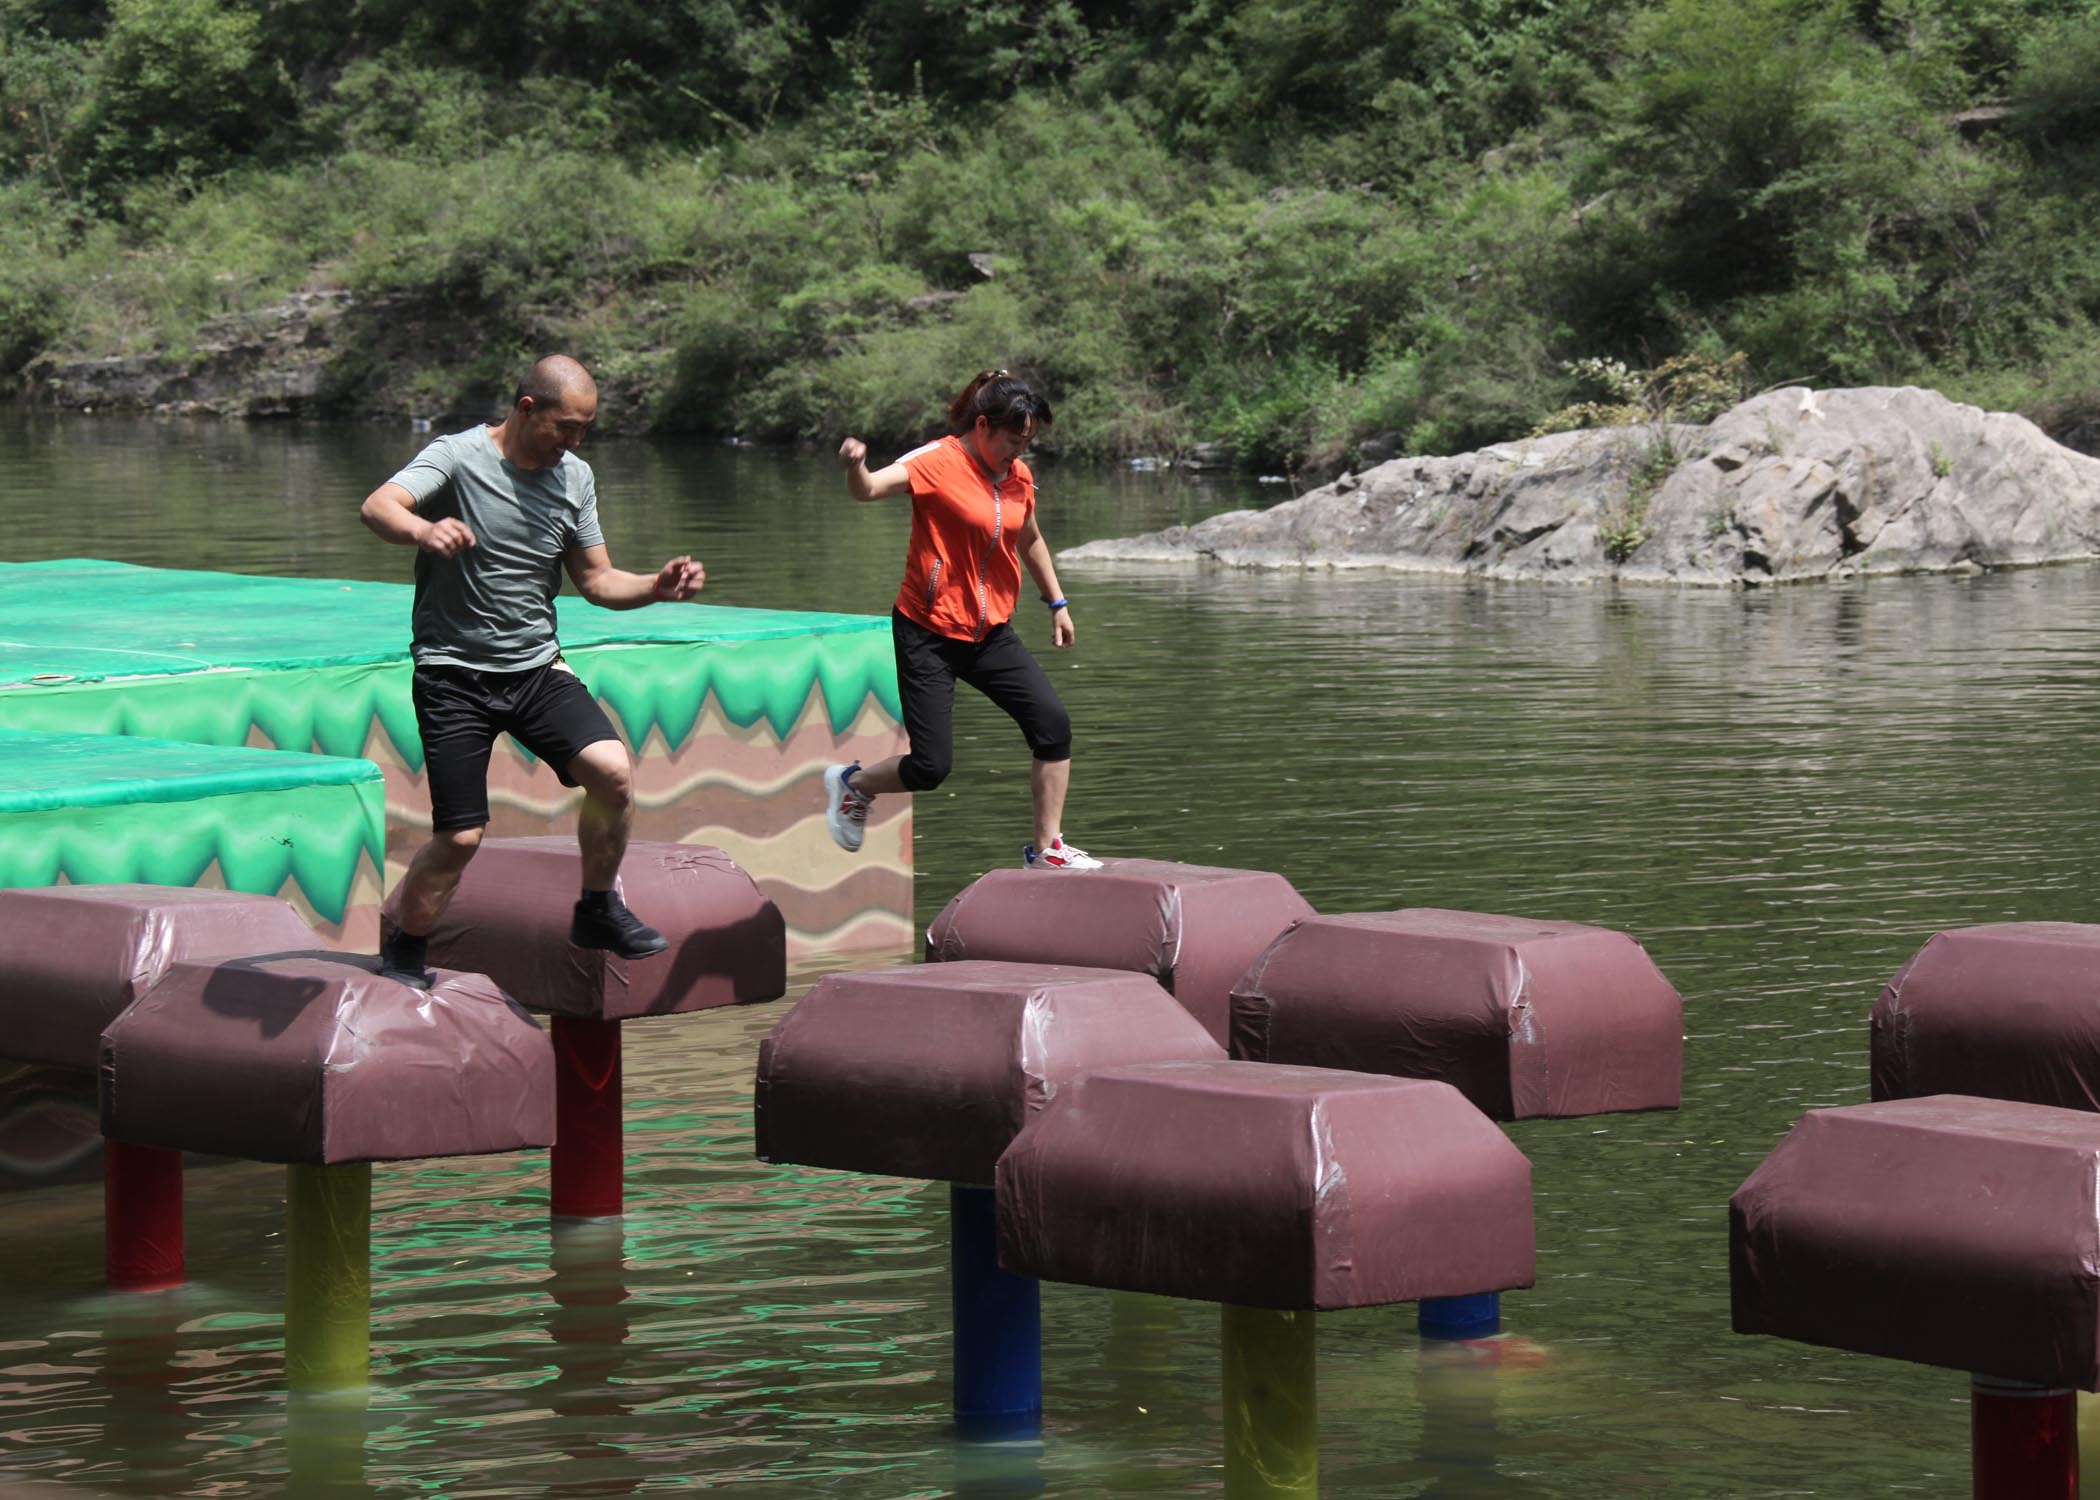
930	1071
1527	1018
315	1059
1268	1186
510	921
75	957
732	713
96	809
2006	1011
1949	1231
1194	928
81	811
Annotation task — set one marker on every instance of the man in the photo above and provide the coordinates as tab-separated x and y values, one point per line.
495	513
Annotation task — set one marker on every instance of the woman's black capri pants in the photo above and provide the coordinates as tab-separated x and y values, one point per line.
999	667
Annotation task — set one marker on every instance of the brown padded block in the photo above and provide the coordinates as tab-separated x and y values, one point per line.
1194	928
928	1071
1951	1231
73	957
1266	1186
510	921
1525	1018
2010	1011
315	1059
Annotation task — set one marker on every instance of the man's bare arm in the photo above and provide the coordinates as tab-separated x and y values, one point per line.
390	511
608	587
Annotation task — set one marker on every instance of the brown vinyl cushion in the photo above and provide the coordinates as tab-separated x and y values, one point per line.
1526	1018
2010	1011
313	1058
1948	1230
1266	1186
510	921
73	957
930	1070
1194	928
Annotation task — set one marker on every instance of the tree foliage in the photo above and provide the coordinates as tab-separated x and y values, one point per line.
1284	223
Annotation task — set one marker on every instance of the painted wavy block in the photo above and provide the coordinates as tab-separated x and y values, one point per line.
91	809
732	713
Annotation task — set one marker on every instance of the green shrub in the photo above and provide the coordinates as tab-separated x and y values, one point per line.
1283	223
178	88
31	308
43	82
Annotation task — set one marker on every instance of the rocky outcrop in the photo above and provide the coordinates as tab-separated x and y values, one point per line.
1791	485
260	364
322	354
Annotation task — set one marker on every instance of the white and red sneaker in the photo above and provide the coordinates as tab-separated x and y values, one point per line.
845	808
1059	856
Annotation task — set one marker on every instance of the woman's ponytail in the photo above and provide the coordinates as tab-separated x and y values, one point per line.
1002	400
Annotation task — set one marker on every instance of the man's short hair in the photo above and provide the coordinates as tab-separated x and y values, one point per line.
551	377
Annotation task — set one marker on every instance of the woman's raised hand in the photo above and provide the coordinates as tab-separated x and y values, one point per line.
853	451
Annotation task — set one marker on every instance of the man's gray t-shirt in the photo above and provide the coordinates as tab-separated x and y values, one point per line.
491	605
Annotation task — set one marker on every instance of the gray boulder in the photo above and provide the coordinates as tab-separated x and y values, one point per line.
1791	485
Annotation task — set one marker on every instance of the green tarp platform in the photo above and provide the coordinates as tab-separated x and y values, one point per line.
321	664
100	810
81	620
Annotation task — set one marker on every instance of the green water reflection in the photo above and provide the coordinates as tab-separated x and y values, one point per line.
1781	793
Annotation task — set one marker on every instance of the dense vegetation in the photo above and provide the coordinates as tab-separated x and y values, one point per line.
1281	223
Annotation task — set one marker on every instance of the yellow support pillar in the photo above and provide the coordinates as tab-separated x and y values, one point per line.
325	1444
1272	1420
328	1260
2088	1446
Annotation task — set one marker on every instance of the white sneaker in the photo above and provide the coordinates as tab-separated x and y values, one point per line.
1059	856
845	808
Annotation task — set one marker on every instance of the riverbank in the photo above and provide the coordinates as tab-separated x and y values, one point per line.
1427	252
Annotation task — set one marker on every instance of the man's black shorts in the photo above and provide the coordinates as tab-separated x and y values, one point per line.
460	711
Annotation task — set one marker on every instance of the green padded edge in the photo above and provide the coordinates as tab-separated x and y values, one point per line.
83	620
764	668
332	710
314	836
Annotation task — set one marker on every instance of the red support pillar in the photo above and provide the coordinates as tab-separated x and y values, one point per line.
2023	1440
586	1168
142	1216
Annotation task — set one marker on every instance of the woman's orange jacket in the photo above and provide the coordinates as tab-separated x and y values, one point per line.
962	572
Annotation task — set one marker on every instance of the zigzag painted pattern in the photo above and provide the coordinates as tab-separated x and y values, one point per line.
754	791
758	798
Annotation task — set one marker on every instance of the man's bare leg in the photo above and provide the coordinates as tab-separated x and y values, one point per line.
1047	783
426	890
603	822
602	919
433	875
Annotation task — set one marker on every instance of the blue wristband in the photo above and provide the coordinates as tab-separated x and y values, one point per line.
1058	603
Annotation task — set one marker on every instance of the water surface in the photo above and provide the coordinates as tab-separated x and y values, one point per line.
1781	793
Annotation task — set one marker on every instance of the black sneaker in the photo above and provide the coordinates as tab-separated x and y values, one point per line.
401	959
616	929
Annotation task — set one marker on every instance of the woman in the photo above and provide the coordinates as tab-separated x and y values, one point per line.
972	531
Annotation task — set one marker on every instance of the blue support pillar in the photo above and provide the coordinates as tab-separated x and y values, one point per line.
1474	1317
998	1326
